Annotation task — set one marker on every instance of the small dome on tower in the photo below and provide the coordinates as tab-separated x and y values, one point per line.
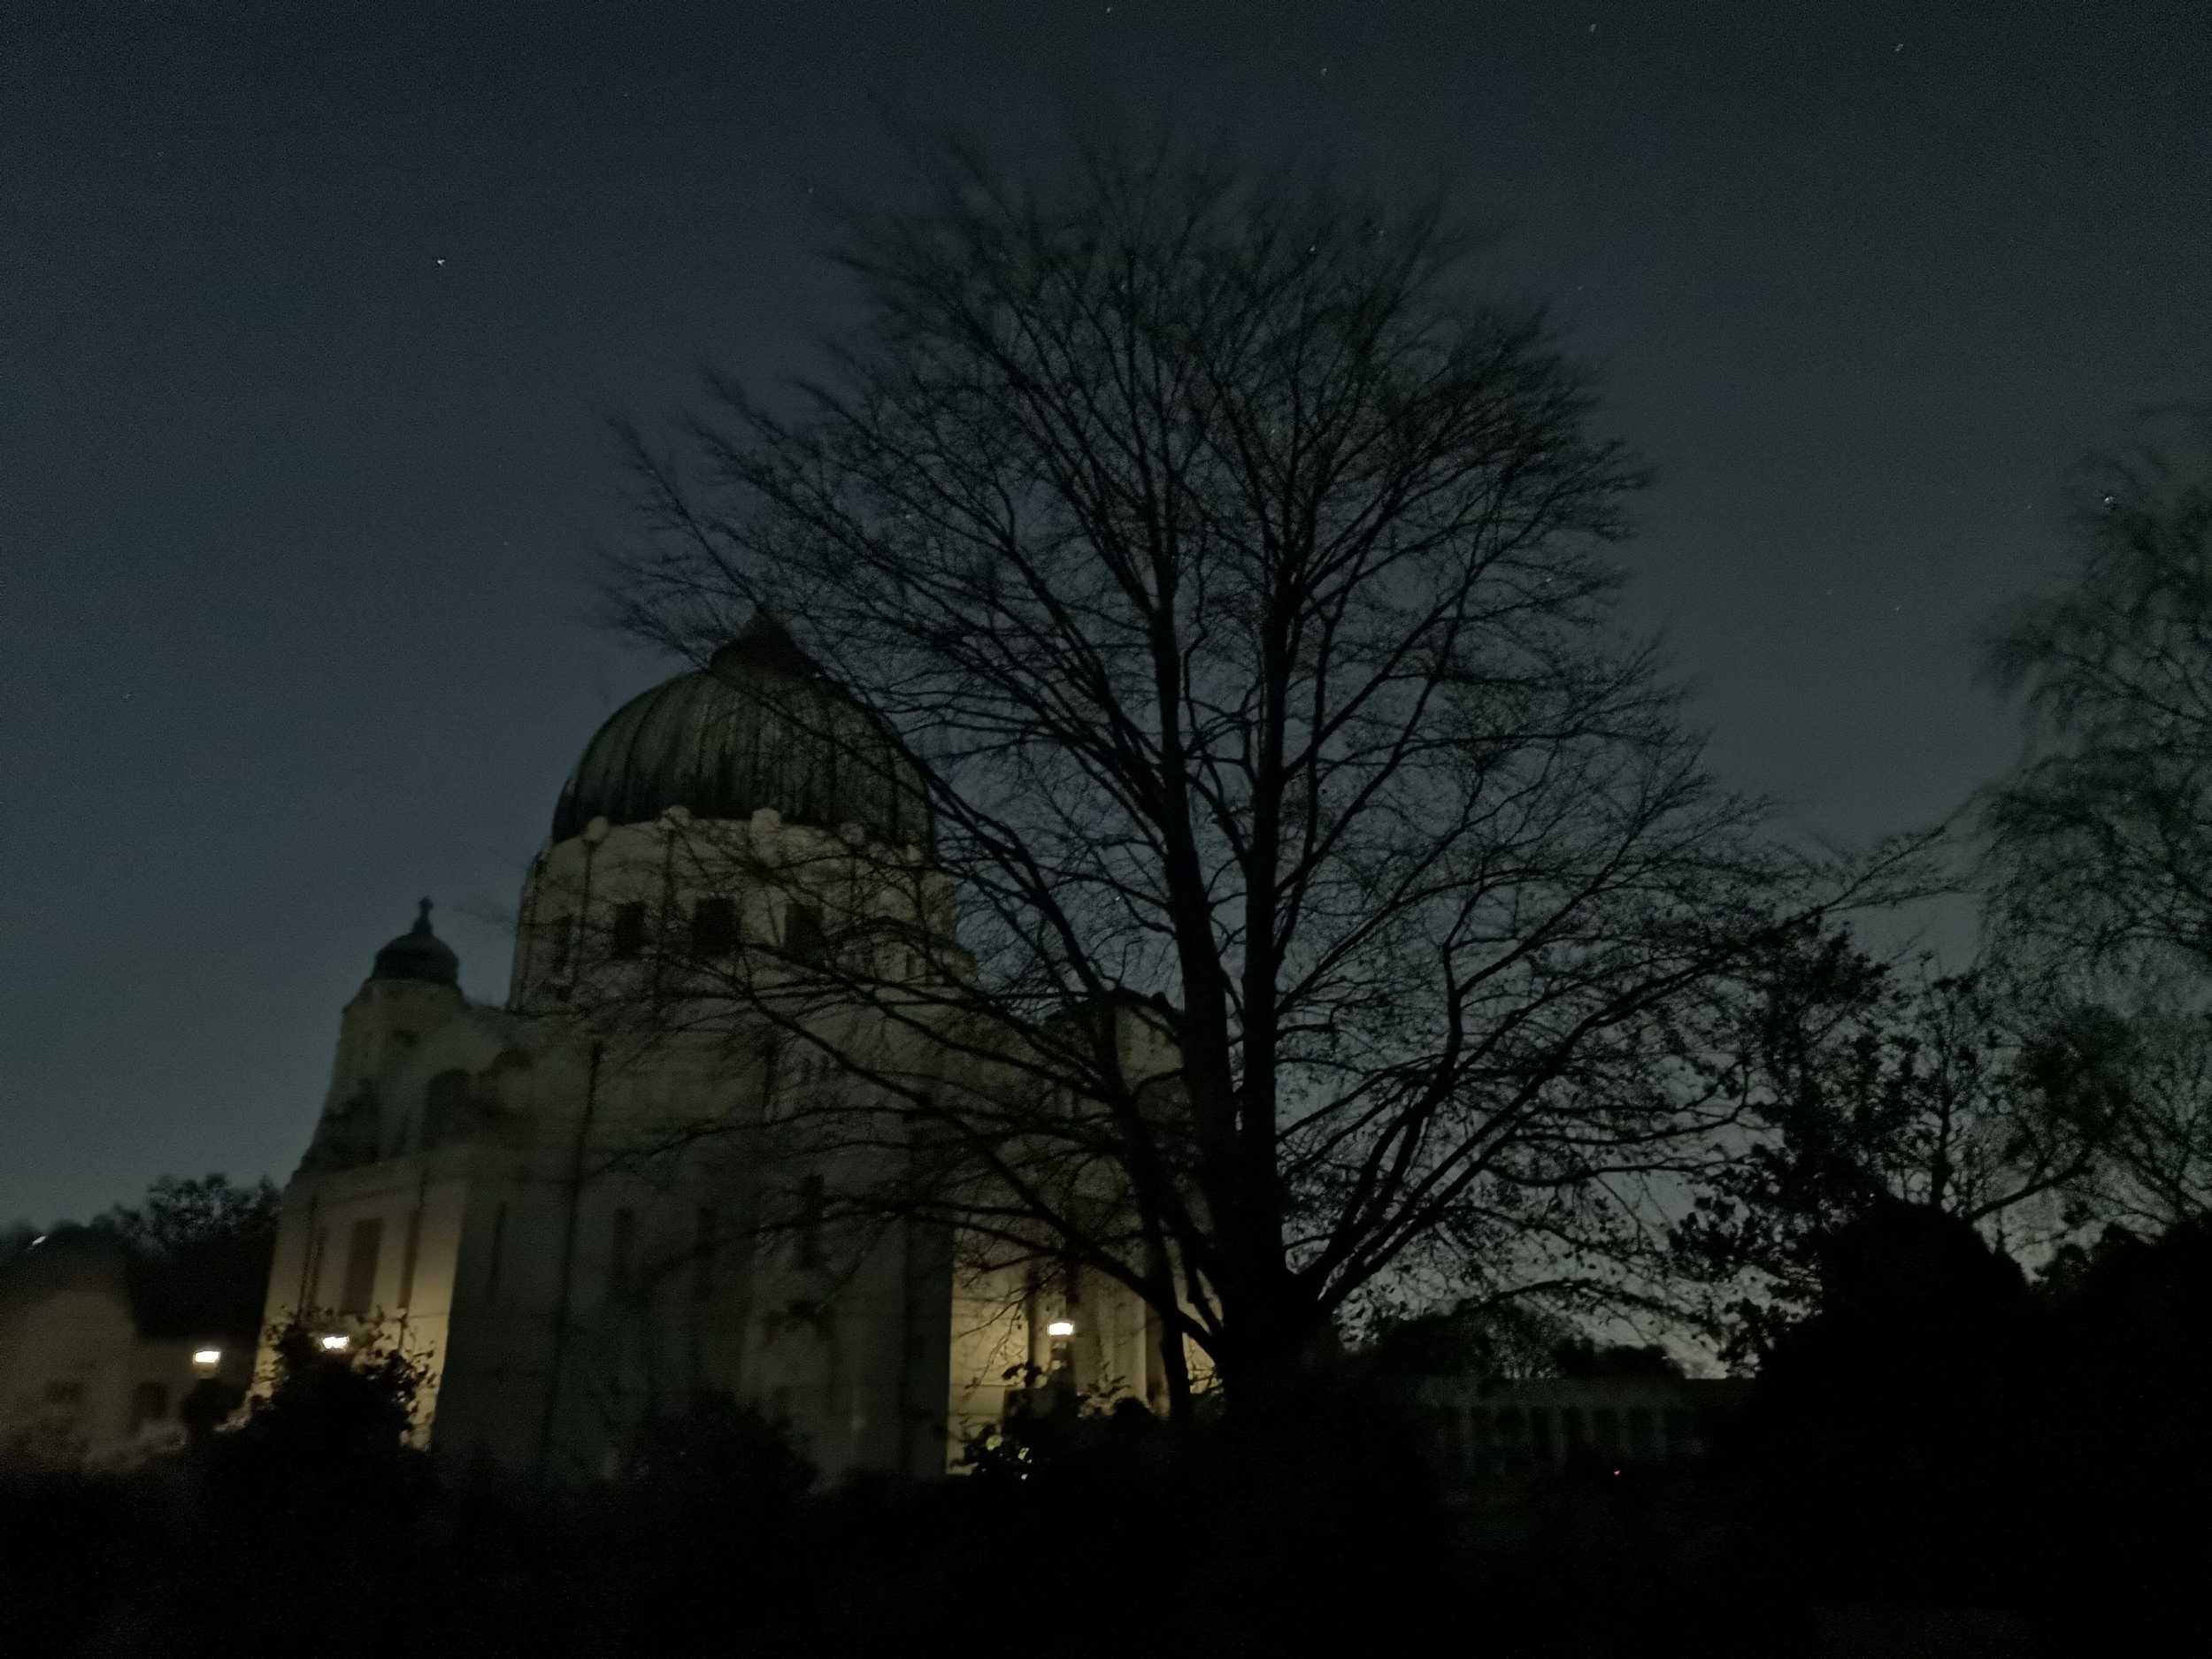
418	954
761	725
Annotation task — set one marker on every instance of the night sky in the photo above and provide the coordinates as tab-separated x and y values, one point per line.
308	315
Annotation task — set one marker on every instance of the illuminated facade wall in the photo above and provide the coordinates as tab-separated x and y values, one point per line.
473	1194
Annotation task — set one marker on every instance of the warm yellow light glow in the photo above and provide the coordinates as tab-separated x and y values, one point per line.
335	1343
1061	1327
207	1358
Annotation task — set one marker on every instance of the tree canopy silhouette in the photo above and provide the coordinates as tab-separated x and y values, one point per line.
2102	839
1865	1085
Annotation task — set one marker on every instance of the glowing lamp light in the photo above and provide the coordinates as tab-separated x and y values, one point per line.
336	1343
207	1358
1061	1327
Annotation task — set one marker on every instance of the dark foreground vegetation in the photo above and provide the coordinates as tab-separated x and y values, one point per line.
1945	1455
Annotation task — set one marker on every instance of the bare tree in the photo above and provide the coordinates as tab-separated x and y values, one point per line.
2101	841
1329	865
2137	1085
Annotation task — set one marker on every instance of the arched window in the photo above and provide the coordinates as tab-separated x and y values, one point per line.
625	937
445	1105
364	1249
560	932
714	928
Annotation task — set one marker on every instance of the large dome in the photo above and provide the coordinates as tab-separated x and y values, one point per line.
761	725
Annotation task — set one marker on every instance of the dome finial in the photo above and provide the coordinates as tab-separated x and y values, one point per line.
421	928
763	643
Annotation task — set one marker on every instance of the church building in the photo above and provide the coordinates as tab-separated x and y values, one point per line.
575	1205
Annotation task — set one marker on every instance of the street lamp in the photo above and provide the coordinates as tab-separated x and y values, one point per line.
1061	1327
206	1359
336	1342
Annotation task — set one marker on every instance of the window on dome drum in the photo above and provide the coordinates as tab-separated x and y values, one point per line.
702	1262
714	928
808	1249
621	1254
625	936
366	1245
560	932
67	1392
802	936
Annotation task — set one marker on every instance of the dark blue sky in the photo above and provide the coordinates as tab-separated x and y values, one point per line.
306	315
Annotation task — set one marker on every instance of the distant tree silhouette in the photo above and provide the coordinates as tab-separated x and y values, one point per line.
1864	1086
722	1450
1586	1360
201	1248
181	1216
1485	1338
2135	1080
1888	1424
2131	1348
2101	839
